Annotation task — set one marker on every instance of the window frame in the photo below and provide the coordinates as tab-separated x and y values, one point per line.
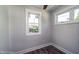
39	21
71	17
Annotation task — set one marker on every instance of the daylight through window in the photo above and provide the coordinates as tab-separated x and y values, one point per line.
69	16
33	22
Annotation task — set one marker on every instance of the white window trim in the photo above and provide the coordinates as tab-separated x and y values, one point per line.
69	9
27	29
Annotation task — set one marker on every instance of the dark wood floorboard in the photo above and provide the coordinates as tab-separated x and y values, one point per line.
46	50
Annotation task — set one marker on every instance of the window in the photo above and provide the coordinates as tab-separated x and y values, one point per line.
69	16
33	22
76	14
63	17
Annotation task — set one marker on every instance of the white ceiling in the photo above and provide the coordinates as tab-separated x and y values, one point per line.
37	6
49	7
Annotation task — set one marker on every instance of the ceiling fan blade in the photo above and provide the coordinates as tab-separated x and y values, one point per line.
45	6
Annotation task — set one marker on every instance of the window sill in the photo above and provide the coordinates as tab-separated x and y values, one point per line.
74	22
33	34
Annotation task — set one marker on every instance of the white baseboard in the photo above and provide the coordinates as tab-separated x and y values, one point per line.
61	48
33	48
6	52
44	45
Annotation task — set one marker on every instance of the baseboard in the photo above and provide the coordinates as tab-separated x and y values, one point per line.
6	52
44	45
33	48
61	48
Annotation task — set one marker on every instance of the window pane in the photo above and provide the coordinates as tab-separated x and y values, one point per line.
33	27
36	20
33	18
76	14
63	17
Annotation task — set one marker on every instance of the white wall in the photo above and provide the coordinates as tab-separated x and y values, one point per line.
17	26
4	33
66	35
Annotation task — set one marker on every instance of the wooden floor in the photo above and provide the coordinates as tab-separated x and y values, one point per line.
46	50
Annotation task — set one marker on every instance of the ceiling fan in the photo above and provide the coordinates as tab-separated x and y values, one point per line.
45	6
